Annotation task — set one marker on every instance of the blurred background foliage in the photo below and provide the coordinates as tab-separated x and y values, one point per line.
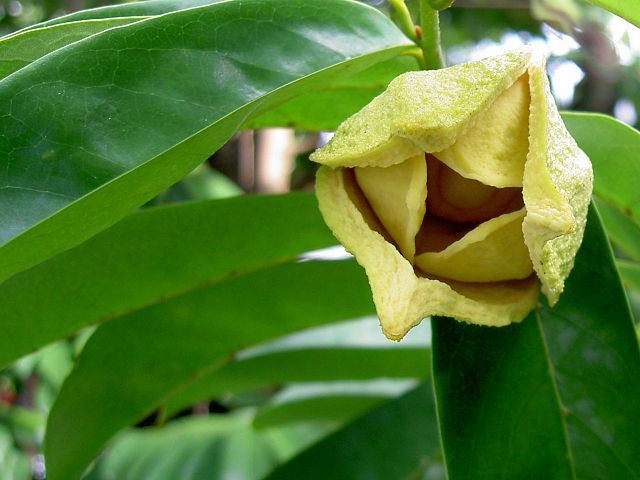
594	65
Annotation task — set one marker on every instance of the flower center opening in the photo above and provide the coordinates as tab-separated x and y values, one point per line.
453	197
456	205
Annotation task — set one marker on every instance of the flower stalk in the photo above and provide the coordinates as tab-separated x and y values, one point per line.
429	39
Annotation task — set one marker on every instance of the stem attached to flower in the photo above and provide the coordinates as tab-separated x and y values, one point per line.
430	36
403	18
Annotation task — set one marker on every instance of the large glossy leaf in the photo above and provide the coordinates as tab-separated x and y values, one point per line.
99	127
314	364
19	50
353	350
127	9
398	440
596	363
612	147
627	9
553	397
307	111
152	256
494	410
137	360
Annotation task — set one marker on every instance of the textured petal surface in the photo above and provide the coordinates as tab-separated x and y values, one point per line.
491	252
557	186
494	148
402	298
421	112
397	195
488	128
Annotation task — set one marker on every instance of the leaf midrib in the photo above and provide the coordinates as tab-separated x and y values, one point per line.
554	383
563	411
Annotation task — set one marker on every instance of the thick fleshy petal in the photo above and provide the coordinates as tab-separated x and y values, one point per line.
397	195
478	119
493	251
401	297
422	112
494	148
557	186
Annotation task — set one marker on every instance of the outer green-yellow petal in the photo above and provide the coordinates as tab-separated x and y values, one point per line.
491	252
403	299
397	195
421	112
557	187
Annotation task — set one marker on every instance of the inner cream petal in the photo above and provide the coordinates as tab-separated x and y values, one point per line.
494	149
493	251
397	195
497	293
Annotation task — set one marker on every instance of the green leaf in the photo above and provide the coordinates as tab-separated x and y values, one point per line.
24	46
630	272
101	126
151	256
128	9
335	409
627	9
203	183
398	440
555	396
612	147
334	401
346	96
494	410
349	351
213	447
597	370
21	49
137	360
623	230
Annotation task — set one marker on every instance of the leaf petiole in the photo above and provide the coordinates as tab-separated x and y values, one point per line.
416	52
403	19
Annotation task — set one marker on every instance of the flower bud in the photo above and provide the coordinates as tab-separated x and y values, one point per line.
460	192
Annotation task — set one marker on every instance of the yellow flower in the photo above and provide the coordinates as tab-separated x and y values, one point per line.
457	190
